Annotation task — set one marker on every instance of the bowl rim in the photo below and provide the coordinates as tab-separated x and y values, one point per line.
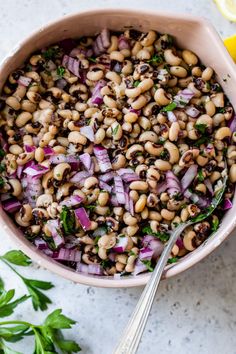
130	281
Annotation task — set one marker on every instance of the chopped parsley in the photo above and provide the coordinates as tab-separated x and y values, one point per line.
90	207
202	140
115	130
164	154
136	83
2	167
132	253
208	85
162	236
200	176
170	107
2	153
221	110
148	264
1	182
155	59
67	218
60	71
215	224
93	60
51	53
105	263
172	260
201	128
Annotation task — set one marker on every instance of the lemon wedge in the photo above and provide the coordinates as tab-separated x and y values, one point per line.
230	44
227	8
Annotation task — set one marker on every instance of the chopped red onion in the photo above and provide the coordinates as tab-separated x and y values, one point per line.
183	97
102	157
48	151
192	111
128	175
32	189
114	201
24	81
107	176
112	256
67	45
73	200
208	184
119	190
202	202
154	244
71	64
40	243
105	186
137	111
19	171
227	204
36	171
29	148
83	218
88	132
232	124
188	177
173	184
71	255
123	42
171	117
163	75
102	42
70	159
180	243
162	187
87	162
140	267
97	98
121	244
11	205
54	228
146	253
129	204
61	83
80	177
95	269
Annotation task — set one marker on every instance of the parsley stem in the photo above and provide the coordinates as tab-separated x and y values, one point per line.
12	268
16	322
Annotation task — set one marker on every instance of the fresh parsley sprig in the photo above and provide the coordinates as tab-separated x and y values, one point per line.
34	287
162	236
48	337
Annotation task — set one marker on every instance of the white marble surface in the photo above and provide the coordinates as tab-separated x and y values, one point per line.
194	312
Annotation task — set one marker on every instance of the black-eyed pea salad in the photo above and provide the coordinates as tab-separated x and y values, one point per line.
108	143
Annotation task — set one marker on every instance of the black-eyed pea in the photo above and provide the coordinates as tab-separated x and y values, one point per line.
207	74
139	102
129	219
52	210
60	171
118	162
173	152
178	71
95	74
135	131
102	253
175	222
154	225
103	198
133	150
80	194
188	240
202	160
92	197
22	119
119	266
148	136
117	55
152	200
101	210
164	197
196	71
161	97
39	154
146	85
162	165
191	131
175	250
143	54
130	244
167	214
90	182
13	103
15	149
134	195
99	135
130	117
171	58
116	131
155	215
20	92
129	268
45	140
205	119
132	230
23	158
215	176
107	241
121	258
113	45
193	210
222	133
232	173
218	99
201	188
139	186
133	92
144	123
118	211
113	76
145	213
210	108
77	138
109	101
28	106
140	204
184	215
174	131
58	149
192	87
153	149
16	187
44	200
189	57
33	97
148	39
19	221
188	157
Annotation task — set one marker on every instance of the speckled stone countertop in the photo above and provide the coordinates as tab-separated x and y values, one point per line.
192	313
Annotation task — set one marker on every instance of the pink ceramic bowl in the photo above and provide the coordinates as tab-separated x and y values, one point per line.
192	33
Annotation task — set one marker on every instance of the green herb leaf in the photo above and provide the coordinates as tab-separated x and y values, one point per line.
67	218
1	182
90	207
2	168
170	107
58	321
51	53
93	60
202	140
2	153
201	128
200	176
39	299
172	260
115	130
164	154
215	224
6	350
8	308
148	264
136	83
156	59
17	257
162	236
60	71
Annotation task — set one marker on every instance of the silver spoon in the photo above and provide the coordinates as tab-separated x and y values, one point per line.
130	339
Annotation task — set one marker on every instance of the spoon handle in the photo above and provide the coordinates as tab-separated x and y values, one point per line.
130	339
